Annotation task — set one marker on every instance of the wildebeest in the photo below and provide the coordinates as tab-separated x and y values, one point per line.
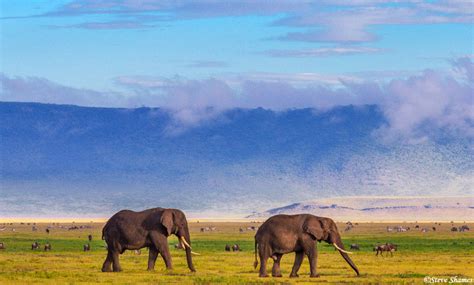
35	245
235	247
389	247
2	245
463	228
454	229
47	247
89	237
87	247
227	247
47	231
355	246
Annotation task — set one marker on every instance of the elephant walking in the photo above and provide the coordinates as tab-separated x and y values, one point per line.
283	234
149	228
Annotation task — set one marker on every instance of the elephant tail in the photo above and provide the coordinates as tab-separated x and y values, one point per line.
255	264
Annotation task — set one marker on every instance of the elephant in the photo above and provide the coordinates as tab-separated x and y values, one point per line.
283	234
149	228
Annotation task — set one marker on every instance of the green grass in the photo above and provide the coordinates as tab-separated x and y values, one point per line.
438	254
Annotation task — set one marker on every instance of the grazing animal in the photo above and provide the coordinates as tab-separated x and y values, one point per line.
355	246
35	245
47	231
454	229
47	247
87	247
434	229
241	230
149	228
235	247
463	228
388	247
227	247
283	234
401	229
2	245
89	237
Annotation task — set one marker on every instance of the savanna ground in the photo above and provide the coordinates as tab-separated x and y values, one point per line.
440	253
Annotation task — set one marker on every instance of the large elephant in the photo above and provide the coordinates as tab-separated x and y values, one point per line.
282	234
150	228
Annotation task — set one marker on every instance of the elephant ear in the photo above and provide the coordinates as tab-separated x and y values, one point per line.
167	220
314	228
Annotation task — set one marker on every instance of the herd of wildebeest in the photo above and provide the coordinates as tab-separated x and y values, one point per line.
278	235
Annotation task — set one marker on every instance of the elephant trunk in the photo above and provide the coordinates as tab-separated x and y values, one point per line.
188	250
337	241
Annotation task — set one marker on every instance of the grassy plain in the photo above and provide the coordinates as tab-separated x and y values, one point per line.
439	253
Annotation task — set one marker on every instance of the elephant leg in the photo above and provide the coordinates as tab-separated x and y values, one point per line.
152	255
313	260
116	262
107	266
263	261
161	243
276	272
296	266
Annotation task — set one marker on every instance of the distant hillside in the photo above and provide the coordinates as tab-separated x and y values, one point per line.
68	160
382	208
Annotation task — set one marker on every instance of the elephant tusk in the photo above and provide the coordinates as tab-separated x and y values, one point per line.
340	249
195	253
185	242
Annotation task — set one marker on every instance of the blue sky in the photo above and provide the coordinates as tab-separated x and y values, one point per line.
89	46
189	55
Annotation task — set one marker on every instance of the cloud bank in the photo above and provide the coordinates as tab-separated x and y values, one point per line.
414	106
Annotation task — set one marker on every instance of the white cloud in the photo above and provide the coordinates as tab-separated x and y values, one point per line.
322	52
413	107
